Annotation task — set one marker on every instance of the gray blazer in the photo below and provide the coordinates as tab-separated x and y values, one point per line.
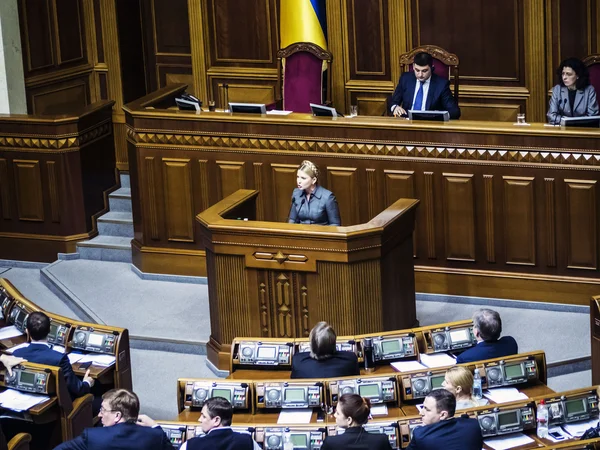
585	103
322	209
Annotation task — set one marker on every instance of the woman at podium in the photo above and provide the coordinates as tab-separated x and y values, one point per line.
312	203
573	96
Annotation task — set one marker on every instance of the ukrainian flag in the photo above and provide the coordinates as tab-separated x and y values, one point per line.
303	21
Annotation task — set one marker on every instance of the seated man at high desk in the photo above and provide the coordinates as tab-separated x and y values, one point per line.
423	90
487	327
40	351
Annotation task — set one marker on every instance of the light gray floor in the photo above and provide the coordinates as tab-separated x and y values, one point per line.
179	311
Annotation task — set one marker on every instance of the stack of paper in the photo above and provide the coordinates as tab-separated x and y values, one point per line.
58	348
20	401
296	416
17	347
74	357
508	441
437	360
98	360
577	429
9	332
379	410
407	366
504	395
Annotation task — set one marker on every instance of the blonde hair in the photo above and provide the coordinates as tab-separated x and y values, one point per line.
461	377
309	168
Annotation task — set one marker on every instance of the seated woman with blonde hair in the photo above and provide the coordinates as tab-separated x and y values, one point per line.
459	381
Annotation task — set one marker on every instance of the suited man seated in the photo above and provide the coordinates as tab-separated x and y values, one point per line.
40	351
487	327
215	421
323	360
441	429
423	90
122	427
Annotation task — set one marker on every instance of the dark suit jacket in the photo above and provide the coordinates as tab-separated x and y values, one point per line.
122	436
322	209
221	439
42	354
341	364
439	96
356	436
452	434
504	346
585	103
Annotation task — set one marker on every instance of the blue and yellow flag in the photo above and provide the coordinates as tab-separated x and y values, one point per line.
303	21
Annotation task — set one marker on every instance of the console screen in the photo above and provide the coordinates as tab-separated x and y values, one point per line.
575	407
225	393
21	316
95	339
368	390
392	346
27	378
53	329
299	440
294	395
507	419
266	353
460	336
513	371
436	382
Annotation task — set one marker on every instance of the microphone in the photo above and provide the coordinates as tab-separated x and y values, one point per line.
561	107
293	205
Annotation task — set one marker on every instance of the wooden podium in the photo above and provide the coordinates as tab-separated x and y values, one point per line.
268	279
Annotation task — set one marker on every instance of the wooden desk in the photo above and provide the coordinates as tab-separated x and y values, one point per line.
500	208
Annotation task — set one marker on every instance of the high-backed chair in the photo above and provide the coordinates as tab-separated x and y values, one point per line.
20	442
300	76
593	64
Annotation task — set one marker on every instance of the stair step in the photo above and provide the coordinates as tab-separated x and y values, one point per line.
116	223
116	217
125	180
106	248
121	193
120	200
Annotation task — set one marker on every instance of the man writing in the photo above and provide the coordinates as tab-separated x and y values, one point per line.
215	421
441	429
422	90
122	427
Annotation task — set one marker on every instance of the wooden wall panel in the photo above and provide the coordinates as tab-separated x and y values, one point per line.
398	184
178	196
5	190
59	96
68	18
242	90
343	182
582	213
283	178
28	189
519	220
459	216
36	29
231	176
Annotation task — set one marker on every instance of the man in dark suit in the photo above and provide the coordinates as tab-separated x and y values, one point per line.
215	421
487	327
441	429
323	360
40	352
423	90
122	427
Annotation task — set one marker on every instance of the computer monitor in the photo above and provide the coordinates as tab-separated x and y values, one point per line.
248	108
439	116
325	111
187	105
585	121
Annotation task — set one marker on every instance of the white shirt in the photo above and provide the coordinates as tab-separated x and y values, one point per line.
256	446
425	92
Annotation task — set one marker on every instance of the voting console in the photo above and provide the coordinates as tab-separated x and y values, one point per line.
276	280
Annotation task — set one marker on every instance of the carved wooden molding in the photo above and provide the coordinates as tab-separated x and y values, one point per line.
511	155
305	47
592	59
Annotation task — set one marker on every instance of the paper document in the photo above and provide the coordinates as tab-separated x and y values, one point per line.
508	441
20	401
9	332
437	360
98	360
407	366
379	410
297	416
558	430
577	429
17	347
74	357
279	112
58	348
504	395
